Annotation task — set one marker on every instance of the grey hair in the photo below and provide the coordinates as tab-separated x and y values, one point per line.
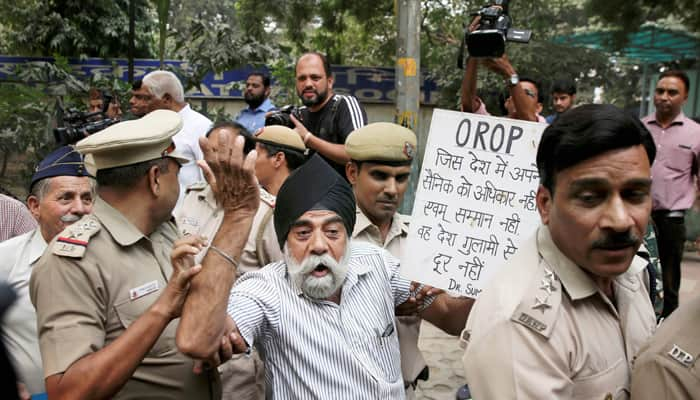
161	82
41	188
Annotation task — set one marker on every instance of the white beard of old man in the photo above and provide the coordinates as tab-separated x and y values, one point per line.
318	276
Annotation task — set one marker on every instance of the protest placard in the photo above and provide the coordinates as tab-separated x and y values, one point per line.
475	201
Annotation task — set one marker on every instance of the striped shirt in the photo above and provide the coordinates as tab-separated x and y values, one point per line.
15	218
316	349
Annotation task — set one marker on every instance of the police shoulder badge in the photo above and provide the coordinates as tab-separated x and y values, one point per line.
73	241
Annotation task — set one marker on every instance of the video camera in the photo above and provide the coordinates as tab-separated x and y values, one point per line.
78	125
282	116
489	39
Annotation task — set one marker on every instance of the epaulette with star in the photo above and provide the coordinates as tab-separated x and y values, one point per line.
267	198
73	241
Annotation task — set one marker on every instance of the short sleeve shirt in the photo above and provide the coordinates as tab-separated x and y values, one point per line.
86	302
543	330
334	122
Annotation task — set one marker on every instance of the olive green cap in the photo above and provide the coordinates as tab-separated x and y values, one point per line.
278	135
381	142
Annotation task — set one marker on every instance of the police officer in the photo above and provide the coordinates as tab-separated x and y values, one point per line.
60	192
107	293
667	366
381	155
564	317
280	151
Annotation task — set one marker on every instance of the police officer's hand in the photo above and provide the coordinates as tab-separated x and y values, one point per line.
235	188
415	302
182	260
231	343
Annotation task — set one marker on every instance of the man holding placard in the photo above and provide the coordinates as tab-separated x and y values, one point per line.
381	154
566	315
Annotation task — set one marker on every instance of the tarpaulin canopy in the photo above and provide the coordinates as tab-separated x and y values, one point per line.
651	44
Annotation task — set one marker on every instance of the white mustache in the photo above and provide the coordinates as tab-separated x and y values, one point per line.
70	218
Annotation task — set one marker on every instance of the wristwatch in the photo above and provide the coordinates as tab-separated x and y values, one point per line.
514	79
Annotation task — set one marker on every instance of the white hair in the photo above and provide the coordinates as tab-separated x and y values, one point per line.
317	288
161	82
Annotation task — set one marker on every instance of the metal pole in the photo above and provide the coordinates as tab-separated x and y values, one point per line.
408	80
643	109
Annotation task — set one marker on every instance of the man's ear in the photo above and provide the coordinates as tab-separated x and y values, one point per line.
544	199
154	175
33	205
352	170
279	159
267	91
330	82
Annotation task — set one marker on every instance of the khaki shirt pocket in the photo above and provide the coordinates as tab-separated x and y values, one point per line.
609	384
129	311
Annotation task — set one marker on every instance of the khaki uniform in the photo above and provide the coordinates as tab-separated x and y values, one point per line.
200	214
244	376
408	327
95	279
542	329
667	366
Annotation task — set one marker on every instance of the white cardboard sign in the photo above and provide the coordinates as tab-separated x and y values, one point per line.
475	200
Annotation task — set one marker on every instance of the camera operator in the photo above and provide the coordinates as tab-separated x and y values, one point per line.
523	100
96	104
328	118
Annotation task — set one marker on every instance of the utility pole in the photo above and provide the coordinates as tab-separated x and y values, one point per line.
408	80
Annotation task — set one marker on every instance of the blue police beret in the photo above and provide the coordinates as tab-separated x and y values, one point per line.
64	161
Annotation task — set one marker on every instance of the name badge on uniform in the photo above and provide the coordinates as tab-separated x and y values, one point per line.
143	290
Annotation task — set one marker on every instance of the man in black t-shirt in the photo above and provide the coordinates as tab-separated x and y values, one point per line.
328	118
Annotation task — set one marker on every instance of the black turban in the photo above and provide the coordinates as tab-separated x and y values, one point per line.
313	186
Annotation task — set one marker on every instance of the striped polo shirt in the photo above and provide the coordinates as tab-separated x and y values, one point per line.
316	349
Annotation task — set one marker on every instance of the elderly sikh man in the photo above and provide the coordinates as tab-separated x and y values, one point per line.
565	317
324	317
106	294
60	192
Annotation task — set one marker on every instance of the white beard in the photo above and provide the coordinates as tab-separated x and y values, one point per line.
315	287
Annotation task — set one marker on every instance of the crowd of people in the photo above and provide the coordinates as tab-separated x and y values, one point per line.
170	257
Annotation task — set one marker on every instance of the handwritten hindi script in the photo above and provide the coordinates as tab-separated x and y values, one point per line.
475	201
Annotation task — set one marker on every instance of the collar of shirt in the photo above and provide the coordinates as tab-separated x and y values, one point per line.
121	229
573	278
36	246
399	227
355	270
679	120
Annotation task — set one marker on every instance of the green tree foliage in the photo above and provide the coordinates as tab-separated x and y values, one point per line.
211	38
75	28
627	16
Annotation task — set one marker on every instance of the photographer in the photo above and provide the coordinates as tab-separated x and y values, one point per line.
328	118
523	100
